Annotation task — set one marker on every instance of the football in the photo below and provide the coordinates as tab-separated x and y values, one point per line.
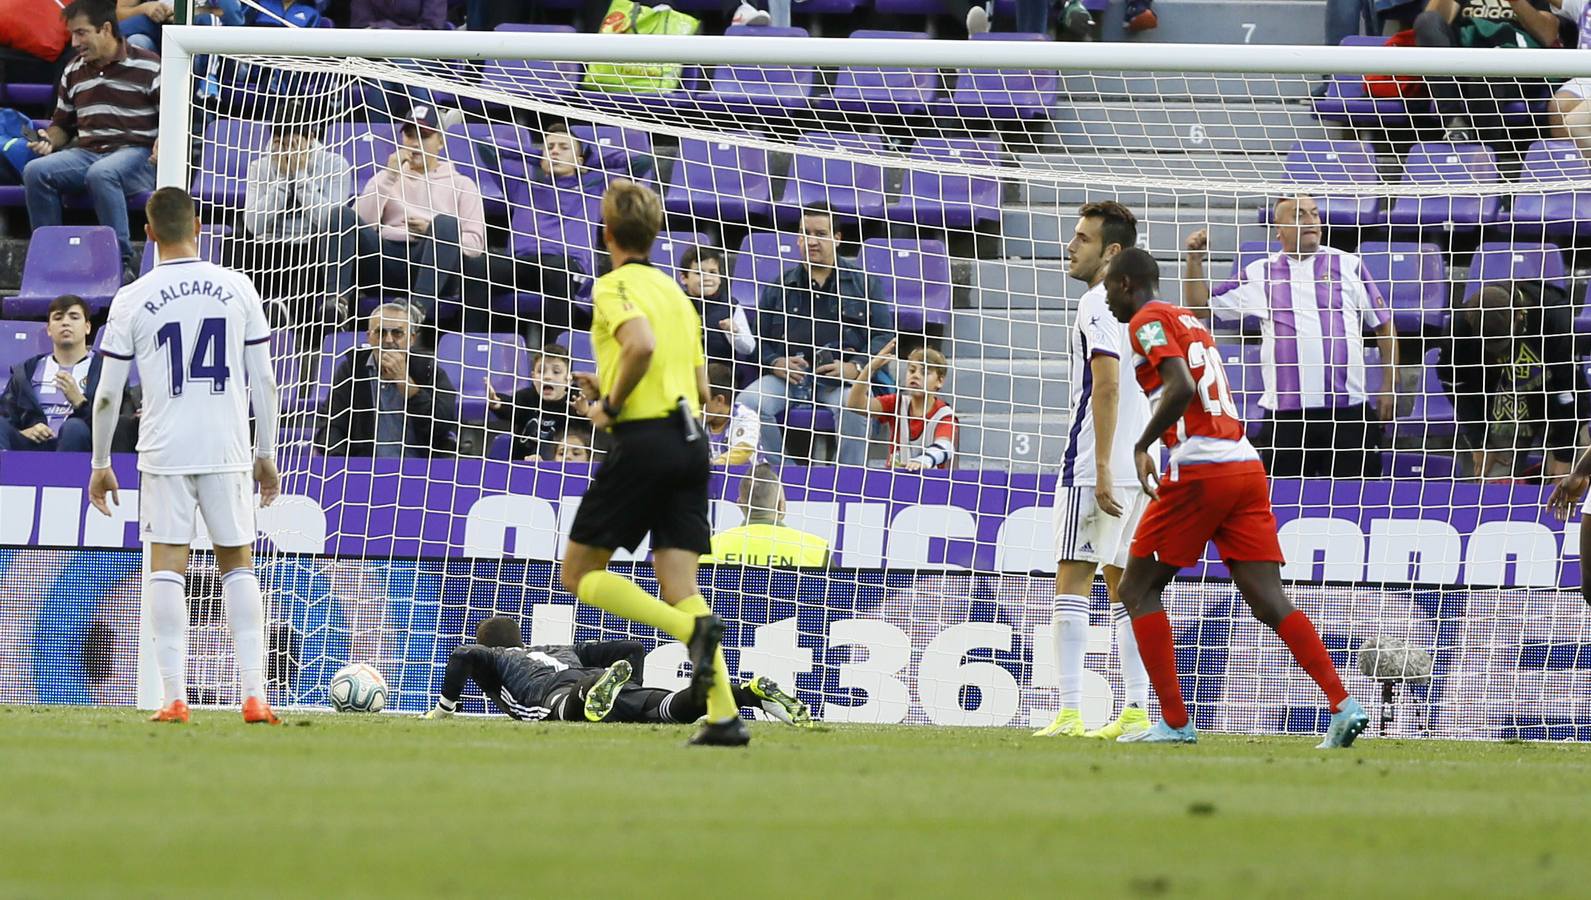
358	687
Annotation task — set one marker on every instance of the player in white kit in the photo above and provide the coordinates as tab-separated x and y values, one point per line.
1097	497
199	336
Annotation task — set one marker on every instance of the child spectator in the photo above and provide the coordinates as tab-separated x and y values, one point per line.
922	426
729	335
732	428
539	413
572	445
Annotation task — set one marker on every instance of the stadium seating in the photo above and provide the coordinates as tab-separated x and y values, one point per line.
482	154
1423	414
763	91
501	447
1560	215
1503	262
366	147
470	360
848	188
1413	281
20	340
880	91
67	259
1003	95
938	199
1398	464
582	358
720	180
529	78
762	260
211	238
229	147
550	220
1346	100
1448	164
915	277
1317	165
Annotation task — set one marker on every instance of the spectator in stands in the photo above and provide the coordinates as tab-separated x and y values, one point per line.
1470	107
542	410
431	223
45	405
405	14
140	21
922	427
1314	304
1517	387
564	191
733	428
817	328
388	400
109	101
1568	114
764	540
728	332
572	445
297	223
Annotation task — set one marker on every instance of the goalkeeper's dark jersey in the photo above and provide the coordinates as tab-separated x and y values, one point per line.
521	680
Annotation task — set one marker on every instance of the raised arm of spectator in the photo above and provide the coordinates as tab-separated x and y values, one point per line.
1195	287
741	337
860	396
1542	24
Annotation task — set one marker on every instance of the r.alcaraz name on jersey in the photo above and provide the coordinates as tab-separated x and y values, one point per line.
193	329
1097	333
1209	431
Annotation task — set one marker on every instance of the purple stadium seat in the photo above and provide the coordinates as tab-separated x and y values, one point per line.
1421	415
808	417
210	239
366	147
67	259
1560	214
1498	262
915	277
669	245
1413	279
230	145
762	260
616	149
13	195
23	94
720	180
936	199
19	341
476	153
758	90
1448	164
531	78
582	358
911	7
1318	164
827	7
472	360
1003	94
1346	100
884	91
501	447
333	348
849	188
1429	466
519	26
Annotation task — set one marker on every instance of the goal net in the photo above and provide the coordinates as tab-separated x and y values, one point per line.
422	215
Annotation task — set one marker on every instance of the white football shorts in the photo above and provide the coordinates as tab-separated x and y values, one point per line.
167	505
1085	533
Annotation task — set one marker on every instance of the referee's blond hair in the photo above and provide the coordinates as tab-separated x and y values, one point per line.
633	215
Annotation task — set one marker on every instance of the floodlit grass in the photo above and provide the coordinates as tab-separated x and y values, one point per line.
99	803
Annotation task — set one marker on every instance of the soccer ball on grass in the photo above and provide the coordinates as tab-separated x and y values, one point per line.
357	687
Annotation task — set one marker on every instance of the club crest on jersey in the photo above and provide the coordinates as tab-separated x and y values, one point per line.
1151	334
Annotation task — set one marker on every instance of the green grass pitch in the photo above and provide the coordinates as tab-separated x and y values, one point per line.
99	803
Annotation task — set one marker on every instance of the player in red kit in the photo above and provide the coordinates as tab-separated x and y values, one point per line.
1214	489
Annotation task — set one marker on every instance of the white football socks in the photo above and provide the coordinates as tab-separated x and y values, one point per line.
245	615
167	596
1069	627
1134	679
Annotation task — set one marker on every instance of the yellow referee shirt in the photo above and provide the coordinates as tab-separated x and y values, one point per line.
631	291
769	545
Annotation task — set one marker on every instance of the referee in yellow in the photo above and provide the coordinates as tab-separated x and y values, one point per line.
650	385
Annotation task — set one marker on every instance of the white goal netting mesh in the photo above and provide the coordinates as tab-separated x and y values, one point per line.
448	212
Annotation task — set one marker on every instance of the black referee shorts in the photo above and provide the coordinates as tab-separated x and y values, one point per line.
652	480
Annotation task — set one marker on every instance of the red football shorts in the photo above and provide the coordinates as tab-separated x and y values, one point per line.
1229	503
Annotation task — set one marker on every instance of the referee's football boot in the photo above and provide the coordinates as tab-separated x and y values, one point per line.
773	700
605	691
1347	723
728	733
705	637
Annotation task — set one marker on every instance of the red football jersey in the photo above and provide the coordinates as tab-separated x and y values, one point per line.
1210	430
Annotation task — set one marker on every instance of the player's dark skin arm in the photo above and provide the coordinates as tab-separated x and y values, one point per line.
1176	392
1562	503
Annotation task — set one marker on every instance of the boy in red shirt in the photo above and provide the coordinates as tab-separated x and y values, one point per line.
922	427
1214	489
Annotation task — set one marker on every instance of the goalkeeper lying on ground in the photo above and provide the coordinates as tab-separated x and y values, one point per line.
586	682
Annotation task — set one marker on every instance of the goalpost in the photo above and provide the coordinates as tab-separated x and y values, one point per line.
952	172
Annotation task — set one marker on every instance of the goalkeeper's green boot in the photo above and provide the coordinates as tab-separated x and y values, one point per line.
787	708
437	712
1133	719
602	695
1068	723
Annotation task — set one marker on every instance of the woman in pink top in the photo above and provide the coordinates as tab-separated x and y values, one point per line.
430	226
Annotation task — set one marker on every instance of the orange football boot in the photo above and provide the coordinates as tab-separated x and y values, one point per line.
255	712
175	711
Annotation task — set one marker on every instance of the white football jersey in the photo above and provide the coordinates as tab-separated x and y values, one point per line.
744	430
1097	331
184	325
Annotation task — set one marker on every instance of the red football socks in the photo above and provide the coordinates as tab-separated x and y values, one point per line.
1301	637
1160	660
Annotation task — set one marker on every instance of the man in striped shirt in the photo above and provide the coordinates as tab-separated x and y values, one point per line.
1314	304
109	103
